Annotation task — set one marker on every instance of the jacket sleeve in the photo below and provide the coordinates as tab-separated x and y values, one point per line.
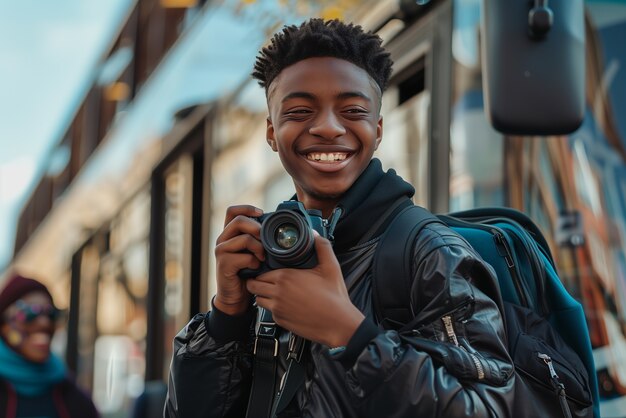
454	361
210	372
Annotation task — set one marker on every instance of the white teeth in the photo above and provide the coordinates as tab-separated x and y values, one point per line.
327	157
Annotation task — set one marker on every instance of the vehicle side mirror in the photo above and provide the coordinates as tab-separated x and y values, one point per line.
533	54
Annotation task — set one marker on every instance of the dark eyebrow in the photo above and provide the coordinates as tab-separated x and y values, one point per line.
351	94
298	95
309	96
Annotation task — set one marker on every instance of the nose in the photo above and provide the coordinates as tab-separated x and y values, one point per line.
43	321
327	126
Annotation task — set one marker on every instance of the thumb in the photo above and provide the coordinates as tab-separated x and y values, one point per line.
324	250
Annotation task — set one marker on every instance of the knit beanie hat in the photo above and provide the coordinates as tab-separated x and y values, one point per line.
16	287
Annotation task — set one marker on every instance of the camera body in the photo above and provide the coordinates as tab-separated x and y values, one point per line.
287	237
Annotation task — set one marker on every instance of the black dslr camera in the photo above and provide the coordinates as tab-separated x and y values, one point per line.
287	237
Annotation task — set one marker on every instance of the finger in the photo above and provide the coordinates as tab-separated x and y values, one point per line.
265	303
240	225
230	264
241	244
276	276
241	210
274	307
260	288
324	250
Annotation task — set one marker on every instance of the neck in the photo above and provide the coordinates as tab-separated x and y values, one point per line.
324	204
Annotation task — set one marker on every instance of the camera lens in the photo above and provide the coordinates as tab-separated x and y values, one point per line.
287	236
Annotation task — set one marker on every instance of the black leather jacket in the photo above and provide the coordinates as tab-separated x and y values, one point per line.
455	364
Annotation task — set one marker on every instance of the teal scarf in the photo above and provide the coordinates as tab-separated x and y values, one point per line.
28	378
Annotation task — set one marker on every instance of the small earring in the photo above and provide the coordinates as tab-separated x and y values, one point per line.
14	337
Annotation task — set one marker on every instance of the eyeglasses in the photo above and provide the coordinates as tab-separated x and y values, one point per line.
28	313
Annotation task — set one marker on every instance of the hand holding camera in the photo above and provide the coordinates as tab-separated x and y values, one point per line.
253	243
292	271
237	247
313	303
287	237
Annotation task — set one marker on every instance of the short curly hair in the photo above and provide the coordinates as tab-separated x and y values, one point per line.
319	38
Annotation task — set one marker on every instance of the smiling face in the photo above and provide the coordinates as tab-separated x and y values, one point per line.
325	125
28	326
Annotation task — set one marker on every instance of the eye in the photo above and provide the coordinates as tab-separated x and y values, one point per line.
353	112
297	112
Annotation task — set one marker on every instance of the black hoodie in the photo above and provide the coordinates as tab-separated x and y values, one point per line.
368	202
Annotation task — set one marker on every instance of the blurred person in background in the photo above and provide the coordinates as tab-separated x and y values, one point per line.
33	380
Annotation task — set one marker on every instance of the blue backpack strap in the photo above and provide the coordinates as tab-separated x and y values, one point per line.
391	282
521	218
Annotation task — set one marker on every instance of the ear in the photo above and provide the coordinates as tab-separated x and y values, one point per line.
269	135
379	132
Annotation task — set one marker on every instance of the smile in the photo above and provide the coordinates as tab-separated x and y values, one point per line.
327	157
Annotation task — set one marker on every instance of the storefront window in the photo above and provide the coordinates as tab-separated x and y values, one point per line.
113	317
177	262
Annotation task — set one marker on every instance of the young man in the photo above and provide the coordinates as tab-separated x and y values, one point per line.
324	84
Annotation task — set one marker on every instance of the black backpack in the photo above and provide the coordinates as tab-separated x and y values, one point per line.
548	339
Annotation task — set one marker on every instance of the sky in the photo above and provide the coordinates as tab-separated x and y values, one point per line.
49	52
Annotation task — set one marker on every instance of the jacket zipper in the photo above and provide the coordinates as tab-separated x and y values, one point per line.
447	323
479	366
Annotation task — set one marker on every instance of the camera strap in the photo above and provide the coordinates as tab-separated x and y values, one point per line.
264	368
294	376
331	223
262	402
